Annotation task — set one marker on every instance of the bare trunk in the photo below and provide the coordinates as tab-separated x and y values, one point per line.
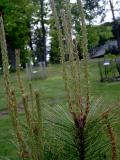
30	37
11	55
116	25
43	55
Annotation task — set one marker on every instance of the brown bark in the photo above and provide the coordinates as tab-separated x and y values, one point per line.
43	31
115	23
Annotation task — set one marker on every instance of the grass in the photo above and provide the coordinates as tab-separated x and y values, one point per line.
52	92
51	89
7	148
109	92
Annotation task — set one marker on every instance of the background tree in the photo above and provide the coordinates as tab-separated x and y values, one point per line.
93	39
116	25
55	52
17	16
93	8
105	33
97	34
37	40
43	46
96	8
39	30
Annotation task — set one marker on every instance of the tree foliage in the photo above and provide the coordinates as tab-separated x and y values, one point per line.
93	8
98	35
55	52
25	25
17	16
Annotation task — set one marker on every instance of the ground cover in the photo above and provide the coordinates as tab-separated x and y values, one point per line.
52	92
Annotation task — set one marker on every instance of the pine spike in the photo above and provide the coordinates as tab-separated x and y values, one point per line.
62	51
20	83
29	124
39	126
84	42
31	96
15	123
11	99
4	58
111	136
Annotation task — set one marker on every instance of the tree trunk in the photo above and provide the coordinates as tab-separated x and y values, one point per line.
115	23
30	37
11	55
43	55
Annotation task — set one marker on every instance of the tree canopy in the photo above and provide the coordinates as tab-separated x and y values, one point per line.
26	23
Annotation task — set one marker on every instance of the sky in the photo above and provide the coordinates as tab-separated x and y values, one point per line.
97	20
108	17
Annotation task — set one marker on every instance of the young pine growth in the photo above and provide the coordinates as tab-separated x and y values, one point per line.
91	140
83	133
28	139
11	99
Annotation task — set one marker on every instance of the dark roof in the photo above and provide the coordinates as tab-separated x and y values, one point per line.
100	51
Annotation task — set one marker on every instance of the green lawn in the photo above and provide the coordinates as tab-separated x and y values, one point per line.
52	92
